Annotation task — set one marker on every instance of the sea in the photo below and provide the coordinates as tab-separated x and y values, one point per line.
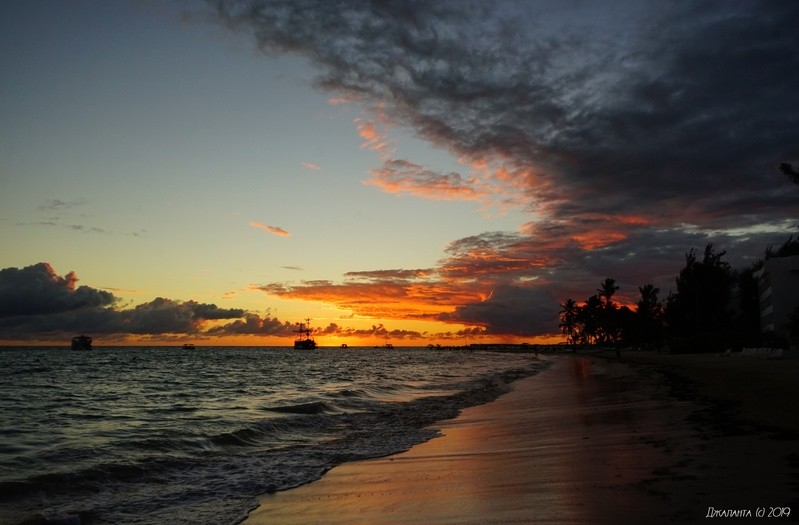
155	435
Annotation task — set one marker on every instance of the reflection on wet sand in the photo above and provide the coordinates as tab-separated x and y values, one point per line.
576	444
580	368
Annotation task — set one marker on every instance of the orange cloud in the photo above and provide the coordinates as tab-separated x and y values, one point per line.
475	264
598	239
607	218
599	230
374	139
311	166
633	220
403	176
274	230
496	257
473	270
589	231
504	184
386	298
495	183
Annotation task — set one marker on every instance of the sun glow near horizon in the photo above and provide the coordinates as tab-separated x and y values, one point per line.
407	181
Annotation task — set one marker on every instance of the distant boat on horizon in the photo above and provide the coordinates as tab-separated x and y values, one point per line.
387	345
304	343
81	342
188	346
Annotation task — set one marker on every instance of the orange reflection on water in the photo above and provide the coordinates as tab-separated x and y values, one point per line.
560	448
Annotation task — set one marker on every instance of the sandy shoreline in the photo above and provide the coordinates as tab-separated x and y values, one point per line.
588	441
764	389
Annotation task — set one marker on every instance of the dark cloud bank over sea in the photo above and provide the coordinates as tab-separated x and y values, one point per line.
36	302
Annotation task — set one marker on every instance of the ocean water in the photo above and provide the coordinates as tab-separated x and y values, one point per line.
167	435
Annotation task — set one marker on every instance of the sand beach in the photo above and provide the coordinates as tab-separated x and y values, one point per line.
652	439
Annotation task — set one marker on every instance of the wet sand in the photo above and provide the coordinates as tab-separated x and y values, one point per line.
588	441
764	390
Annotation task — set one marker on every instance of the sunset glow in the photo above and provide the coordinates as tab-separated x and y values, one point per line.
425	175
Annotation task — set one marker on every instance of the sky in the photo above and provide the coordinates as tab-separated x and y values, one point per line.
410	172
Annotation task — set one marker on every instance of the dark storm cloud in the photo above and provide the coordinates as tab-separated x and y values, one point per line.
516	310
35	301
708	120
497	256
253	324
162	316
698	100
38	289
212	311
632	131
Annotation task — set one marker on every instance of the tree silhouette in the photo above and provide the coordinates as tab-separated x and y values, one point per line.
788	249
569	320
589	318
649	315
790	172
714	308
606	290
699	312
597	321
609	329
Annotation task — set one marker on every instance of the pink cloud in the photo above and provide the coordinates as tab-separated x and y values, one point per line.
403	176
335	101
274	230
374	138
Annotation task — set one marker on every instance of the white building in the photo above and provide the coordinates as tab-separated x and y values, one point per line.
778	284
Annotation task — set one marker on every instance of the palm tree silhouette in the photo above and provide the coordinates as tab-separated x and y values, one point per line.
568	320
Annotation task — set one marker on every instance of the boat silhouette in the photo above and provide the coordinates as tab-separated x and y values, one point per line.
304	341
81	342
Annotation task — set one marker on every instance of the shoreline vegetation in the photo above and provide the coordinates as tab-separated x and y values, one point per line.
714	308
653	437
